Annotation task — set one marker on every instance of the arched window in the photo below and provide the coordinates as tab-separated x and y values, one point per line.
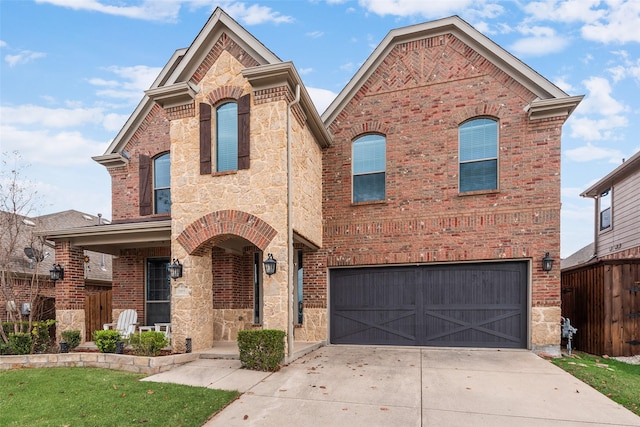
227	137
162	184
478	155
369	168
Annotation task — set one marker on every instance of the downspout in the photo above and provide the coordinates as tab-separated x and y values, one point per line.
290	285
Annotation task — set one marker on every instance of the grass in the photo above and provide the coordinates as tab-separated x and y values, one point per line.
100	397
618	380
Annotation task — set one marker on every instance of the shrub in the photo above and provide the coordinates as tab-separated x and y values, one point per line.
40	334
20	343
72	337
148	343
261	349
106	340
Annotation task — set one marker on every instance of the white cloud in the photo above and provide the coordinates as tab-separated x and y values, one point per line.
628	68
599	99
538	46
254	14
149	10
44	147
427	9
315	34
321	98
590	152
565	10
591	129
50	117
304	71
562	83
23	57
619	25
3	43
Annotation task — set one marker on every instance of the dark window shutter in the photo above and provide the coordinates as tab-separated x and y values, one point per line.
205	139
244	105
145	185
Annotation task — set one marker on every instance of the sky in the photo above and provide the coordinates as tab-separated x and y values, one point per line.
72	71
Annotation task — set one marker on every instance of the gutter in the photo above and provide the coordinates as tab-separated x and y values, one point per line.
290	284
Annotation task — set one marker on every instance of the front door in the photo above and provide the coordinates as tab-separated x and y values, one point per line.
158	294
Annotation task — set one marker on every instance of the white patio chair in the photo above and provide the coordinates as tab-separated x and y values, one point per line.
126	324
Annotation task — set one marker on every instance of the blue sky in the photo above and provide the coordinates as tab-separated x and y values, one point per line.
72	71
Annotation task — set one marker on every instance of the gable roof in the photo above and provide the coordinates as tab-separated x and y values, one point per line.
175	75
627	168
551	99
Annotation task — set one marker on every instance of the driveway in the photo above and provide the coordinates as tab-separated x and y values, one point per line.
389	386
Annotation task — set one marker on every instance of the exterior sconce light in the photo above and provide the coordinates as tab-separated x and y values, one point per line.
56	273
175	269
547	262
270	265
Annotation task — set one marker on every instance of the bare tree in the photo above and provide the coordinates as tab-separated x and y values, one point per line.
18	276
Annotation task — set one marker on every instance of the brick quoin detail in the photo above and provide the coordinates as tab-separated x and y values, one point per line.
216	227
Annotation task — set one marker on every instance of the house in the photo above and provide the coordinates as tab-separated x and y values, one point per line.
601	292
415	211
27	260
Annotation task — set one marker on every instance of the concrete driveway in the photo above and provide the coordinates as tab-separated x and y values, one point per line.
389	386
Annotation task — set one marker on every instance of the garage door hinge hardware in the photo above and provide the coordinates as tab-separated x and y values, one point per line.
633	342
634	315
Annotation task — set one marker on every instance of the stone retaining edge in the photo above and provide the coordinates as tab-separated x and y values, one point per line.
120	362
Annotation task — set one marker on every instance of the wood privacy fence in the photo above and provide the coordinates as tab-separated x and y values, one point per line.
602	300
97	312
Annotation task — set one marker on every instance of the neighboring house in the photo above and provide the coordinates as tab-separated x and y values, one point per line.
601	283
28	265
415	211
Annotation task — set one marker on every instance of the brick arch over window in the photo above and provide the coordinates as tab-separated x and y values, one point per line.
368	127
224	92
495	111
217	227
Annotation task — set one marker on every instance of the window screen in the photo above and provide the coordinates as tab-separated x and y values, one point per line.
369	165
478	155
227	137
162	184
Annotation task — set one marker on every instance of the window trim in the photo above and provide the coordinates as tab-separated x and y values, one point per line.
478	160
608	192
374	172
154	189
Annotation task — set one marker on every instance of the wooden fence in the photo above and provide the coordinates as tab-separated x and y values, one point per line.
97	312
602	300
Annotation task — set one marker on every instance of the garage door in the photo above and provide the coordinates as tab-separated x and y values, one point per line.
463	305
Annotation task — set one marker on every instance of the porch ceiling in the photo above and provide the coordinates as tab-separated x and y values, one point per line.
111	238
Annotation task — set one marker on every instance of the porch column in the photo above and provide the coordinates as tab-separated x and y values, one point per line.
192	304
70	292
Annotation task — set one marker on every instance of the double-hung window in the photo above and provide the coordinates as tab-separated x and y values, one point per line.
478	140
604	202
369	168
162	184
227	137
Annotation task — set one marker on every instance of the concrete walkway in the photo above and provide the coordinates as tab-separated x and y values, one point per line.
388	386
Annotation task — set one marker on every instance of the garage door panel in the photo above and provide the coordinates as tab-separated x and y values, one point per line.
479	305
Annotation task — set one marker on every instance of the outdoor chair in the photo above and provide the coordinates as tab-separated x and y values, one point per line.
126	324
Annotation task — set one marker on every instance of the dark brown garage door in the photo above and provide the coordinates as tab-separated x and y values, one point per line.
462	305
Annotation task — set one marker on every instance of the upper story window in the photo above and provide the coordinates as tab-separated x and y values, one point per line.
478	140
162	184
227	137
604	202
231	132
369	168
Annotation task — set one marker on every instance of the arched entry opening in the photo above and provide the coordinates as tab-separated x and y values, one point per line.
229	247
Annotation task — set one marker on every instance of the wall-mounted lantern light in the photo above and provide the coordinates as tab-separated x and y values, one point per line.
547	262
175	269
56	273
270	265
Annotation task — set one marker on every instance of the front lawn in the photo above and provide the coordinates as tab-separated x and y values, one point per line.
617	380
101	397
